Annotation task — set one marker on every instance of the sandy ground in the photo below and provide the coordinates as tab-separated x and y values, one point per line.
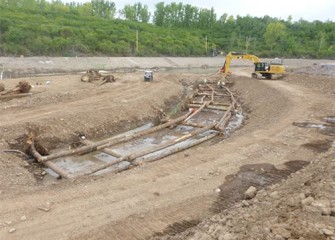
181	190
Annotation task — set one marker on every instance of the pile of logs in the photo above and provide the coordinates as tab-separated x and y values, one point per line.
21	89
94	75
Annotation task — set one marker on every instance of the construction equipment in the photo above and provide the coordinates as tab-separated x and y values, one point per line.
264	69
148	75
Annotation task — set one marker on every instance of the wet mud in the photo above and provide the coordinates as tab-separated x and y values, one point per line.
257	175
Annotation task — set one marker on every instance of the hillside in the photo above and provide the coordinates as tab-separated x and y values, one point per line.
39	28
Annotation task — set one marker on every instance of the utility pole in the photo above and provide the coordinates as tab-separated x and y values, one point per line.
206	45
136	42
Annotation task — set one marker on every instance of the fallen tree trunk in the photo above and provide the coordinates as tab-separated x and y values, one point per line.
213	91
171	151
152	149
197	111
192	124
105	150
50	165
222	108
217	94
213	103
234	102
108	142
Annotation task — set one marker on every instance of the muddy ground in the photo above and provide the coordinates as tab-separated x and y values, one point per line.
195	194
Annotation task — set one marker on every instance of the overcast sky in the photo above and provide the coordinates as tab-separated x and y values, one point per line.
322	10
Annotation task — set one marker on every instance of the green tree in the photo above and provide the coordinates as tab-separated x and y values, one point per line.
274	32
102	8
159	14
136	12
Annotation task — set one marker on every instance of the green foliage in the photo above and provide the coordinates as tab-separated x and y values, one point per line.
275	31
136	12
40	27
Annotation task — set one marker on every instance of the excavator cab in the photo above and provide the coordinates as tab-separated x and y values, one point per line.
261	66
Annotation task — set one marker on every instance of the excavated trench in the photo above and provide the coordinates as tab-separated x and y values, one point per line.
211	111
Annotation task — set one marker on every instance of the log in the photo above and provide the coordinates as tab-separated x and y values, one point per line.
217	94
170	143
105	150
230	108
108	142
213	103
213	91
192	124
223	121
168	152
222	108
50	165
197	111
223	124
118	169
231	96
152	149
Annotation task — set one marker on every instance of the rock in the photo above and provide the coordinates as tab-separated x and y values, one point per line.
245	203
23	218
302	196
279	231
332	212
201	236
293	201
218	190
250	193
327	232
274	194
229	223
226	236
215	218
12	230
307	201
219	231
278	237
323	206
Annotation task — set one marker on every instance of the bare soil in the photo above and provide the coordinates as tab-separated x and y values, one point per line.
185	191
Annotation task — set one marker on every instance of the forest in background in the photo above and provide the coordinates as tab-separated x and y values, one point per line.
98	28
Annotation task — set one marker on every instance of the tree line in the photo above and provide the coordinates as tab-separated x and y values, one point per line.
39	27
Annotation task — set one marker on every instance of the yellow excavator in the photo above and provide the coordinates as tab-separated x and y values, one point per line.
268	70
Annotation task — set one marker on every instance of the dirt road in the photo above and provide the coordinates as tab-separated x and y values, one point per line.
143	201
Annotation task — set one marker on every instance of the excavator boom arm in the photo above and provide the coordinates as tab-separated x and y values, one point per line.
232	55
